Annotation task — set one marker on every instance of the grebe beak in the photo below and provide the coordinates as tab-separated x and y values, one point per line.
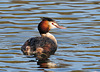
61	27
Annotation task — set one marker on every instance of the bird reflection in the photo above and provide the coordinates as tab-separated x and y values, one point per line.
44	63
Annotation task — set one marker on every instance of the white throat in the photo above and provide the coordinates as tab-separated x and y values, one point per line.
49	35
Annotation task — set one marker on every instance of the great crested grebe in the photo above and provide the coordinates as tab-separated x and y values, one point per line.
44	46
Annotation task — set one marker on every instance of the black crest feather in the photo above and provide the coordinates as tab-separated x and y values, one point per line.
46	18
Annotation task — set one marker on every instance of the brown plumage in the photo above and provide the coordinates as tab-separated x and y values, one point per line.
43	27
44	46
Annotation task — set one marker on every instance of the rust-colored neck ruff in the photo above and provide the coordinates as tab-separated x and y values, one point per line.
43	27
49	35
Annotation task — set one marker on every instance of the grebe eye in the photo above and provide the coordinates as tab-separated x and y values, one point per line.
52	23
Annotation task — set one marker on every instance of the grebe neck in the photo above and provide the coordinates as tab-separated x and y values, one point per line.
49	35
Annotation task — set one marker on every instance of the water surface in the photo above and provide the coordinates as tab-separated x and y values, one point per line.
78	45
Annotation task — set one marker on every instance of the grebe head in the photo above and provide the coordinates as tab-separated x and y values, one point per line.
46	24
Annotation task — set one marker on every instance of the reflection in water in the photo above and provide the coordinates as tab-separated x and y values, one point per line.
44	63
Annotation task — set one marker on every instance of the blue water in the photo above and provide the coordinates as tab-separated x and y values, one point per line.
78	45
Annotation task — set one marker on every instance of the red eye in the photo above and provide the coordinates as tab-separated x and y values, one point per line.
52	23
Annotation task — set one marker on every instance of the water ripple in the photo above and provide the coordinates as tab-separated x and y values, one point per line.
78	45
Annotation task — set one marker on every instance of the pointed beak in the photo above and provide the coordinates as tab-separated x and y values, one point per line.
61	27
